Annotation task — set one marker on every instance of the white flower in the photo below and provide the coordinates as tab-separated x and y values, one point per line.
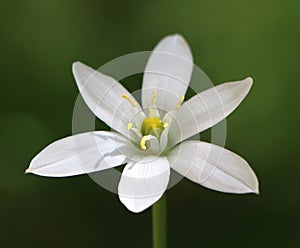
151	139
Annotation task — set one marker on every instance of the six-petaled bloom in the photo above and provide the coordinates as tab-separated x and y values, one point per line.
152	139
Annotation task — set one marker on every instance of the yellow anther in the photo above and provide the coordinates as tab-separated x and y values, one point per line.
129	100
166	124
154	97
143	142
129	126
179	103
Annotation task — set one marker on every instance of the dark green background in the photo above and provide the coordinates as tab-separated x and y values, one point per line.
229	39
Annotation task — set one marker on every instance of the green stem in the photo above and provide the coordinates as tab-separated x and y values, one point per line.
159	223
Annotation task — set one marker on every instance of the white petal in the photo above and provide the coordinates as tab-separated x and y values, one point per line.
103	95
79	154
152	144
168	71
213	167
143	182
164	139
207	109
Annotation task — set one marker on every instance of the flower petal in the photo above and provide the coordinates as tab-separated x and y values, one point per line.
207	109
143	182
79	154
103	95
213	167
168	71
152	144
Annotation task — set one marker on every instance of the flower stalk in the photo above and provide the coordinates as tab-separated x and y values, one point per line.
159	223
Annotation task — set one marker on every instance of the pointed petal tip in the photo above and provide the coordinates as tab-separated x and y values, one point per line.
246	84
254	184
131	207
255	187
27	171
138	204
178	38
175	44
256	190
81	72
76	65
135	210
252	190
249	80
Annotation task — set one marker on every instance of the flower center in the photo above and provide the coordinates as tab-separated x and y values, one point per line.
152	125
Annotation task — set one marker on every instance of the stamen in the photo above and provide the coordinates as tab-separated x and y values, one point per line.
154	97
179	103
129	100
166	124
129	126
143	142
151	112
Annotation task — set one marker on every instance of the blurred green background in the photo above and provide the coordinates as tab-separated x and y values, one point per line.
230	40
